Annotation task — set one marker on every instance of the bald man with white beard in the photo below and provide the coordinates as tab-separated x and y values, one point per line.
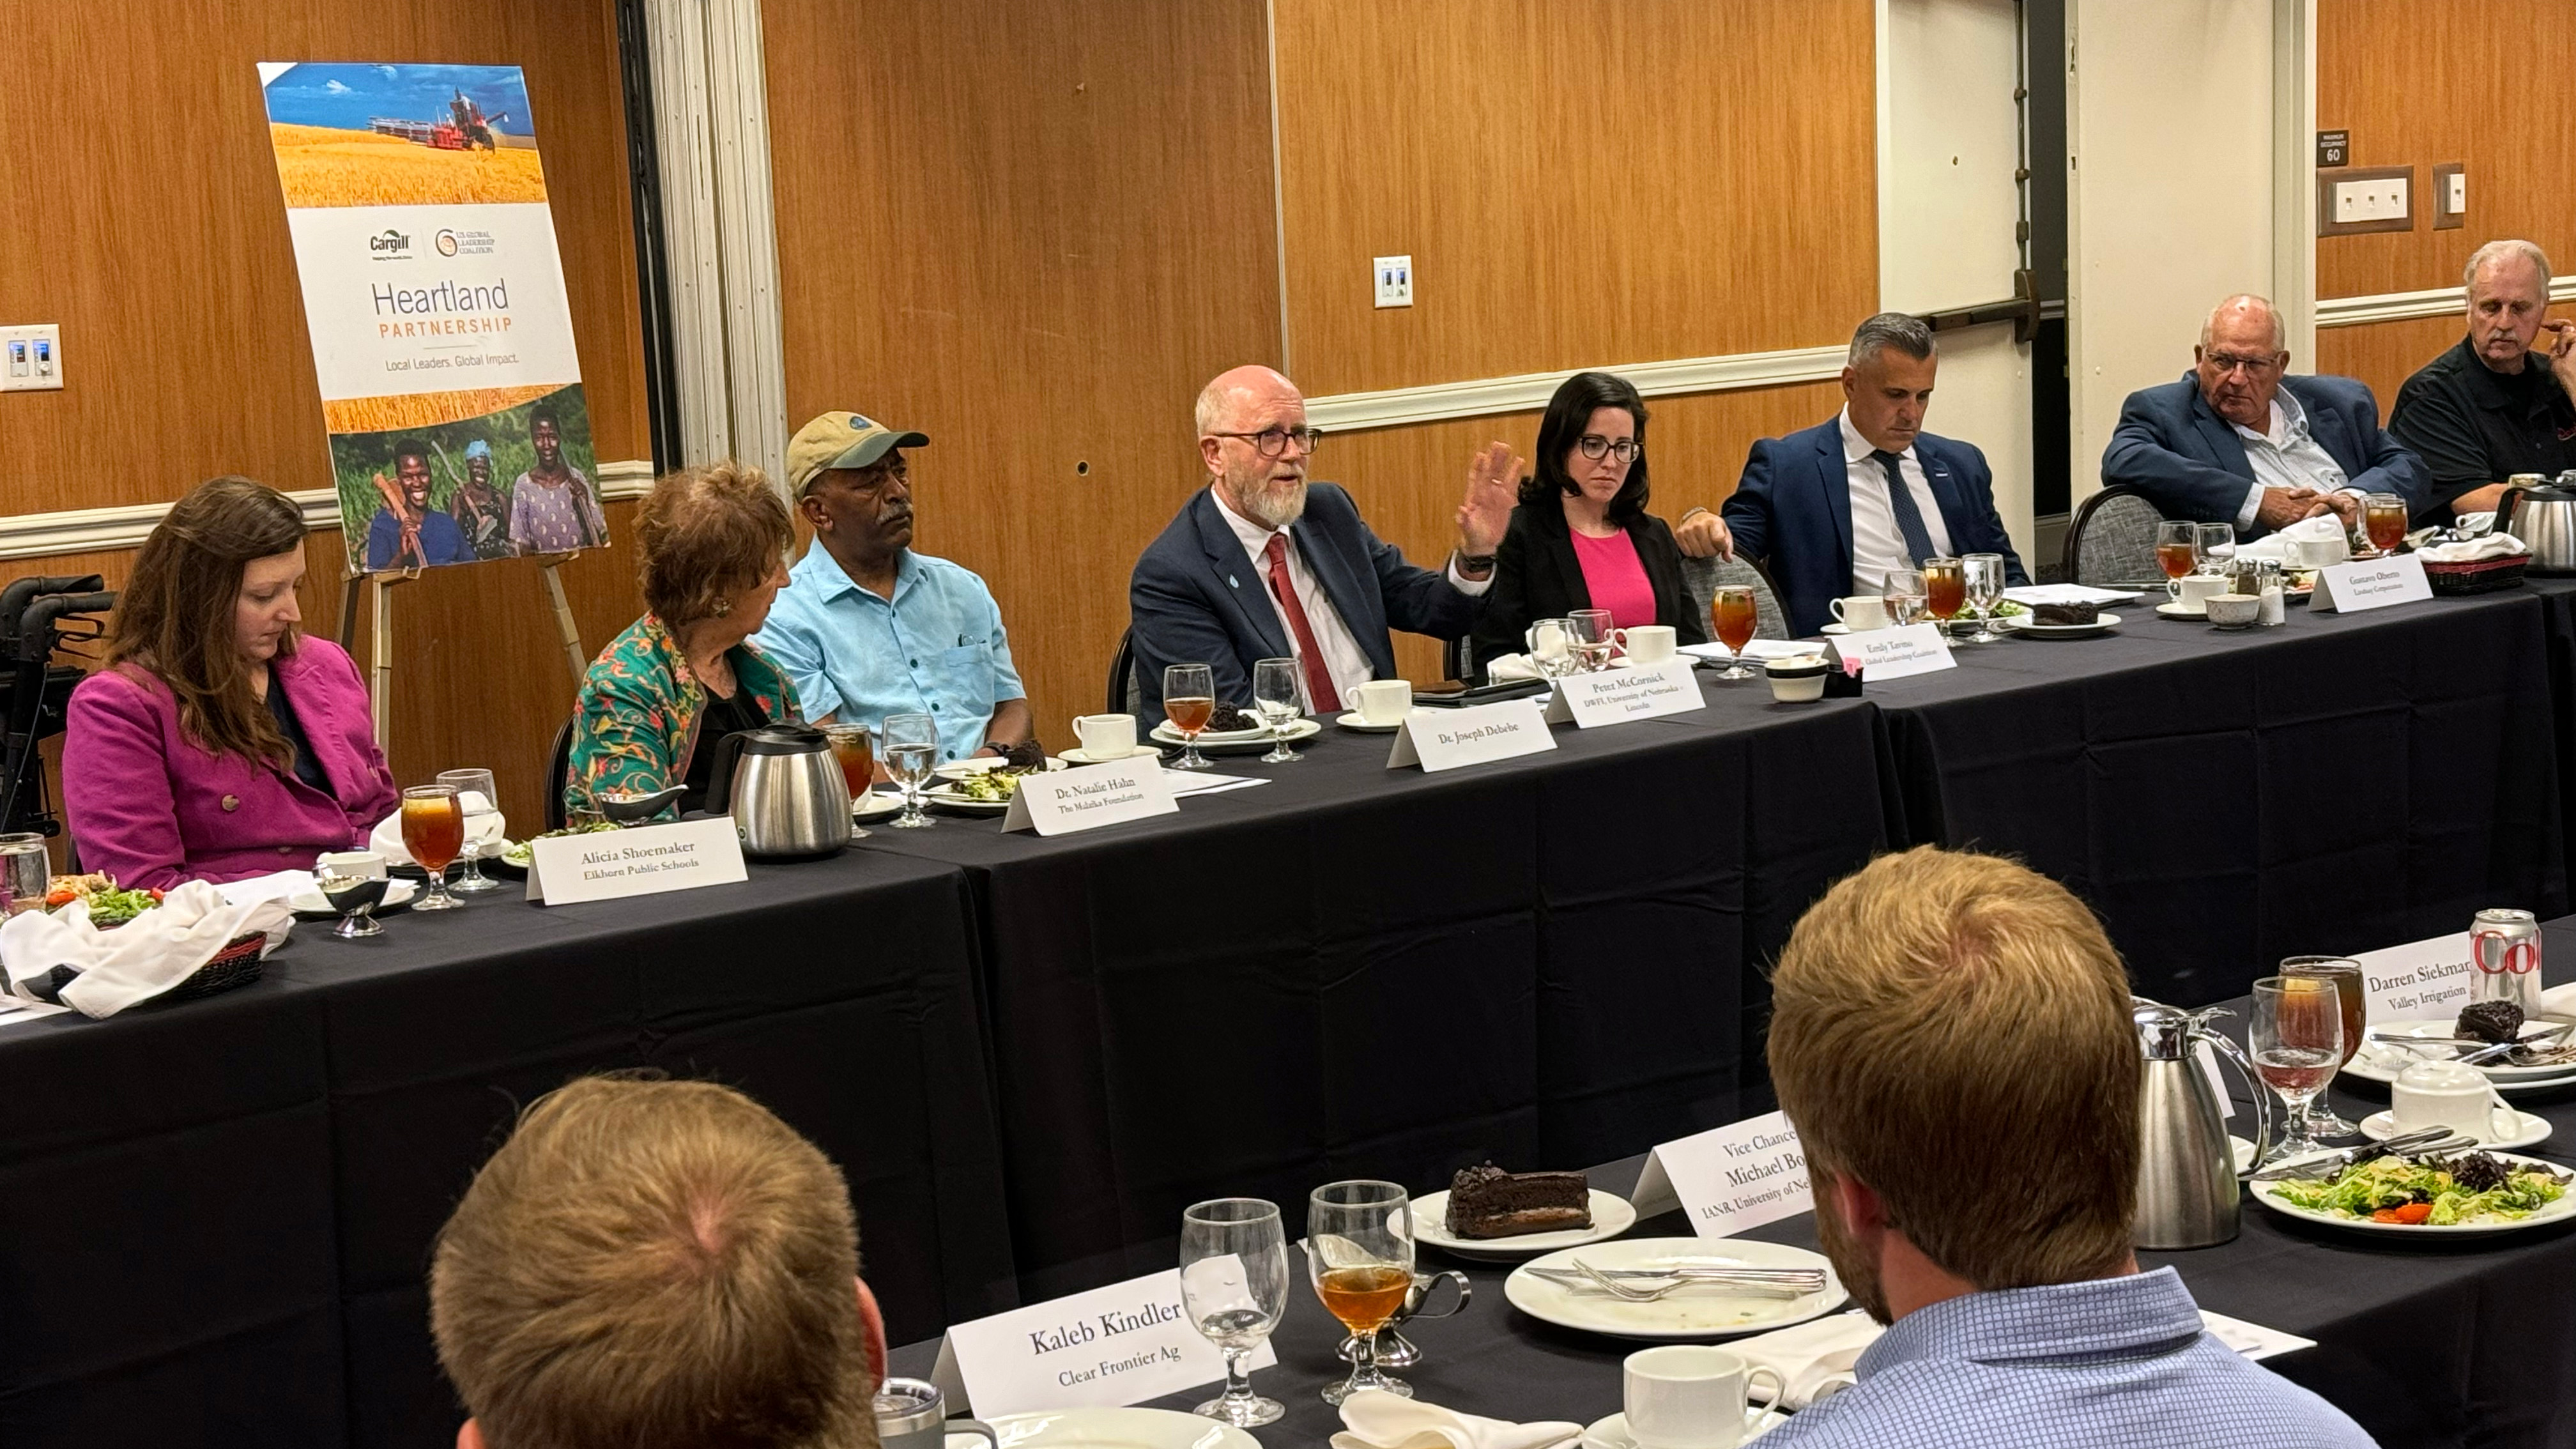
1263	564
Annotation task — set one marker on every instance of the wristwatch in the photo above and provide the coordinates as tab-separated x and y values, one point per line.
1477	564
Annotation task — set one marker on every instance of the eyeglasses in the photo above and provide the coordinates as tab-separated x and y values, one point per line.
1626	450
1273	442
2223	364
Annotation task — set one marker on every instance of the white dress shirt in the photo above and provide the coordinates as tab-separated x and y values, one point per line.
1344	660
2285	456
1878	545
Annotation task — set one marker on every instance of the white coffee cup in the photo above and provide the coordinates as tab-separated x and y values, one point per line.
1383	701
1106	735
364	864
2450	1094
1647	643
2193	591
1860	612
1690	1396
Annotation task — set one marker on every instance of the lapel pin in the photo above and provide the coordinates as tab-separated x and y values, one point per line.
1230	583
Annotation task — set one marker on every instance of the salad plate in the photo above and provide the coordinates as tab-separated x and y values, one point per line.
2344	1203
2102	624
1116	1429
1169	735
1688	1316
2380	1060
1611	1216
986	764
1248	742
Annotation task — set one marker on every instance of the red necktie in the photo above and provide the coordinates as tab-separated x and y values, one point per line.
1319	680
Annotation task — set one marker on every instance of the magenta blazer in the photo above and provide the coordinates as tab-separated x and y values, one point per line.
152	808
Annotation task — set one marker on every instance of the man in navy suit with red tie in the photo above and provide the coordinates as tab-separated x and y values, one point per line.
1829	510
1262	564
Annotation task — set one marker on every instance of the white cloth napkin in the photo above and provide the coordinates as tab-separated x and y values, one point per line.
485	829
1519	666
2475	522
1814	1359
2559	1000
1384	1421
138	960
2490	545
2298	545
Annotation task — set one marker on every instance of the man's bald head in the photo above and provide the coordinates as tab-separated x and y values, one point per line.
1249	400
2246	315
1232	392
2242	354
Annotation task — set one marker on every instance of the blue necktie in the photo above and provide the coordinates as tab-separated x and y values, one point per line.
1909	518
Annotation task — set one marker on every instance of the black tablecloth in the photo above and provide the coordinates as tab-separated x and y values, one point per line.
219	1213
2337	783
2428	1347
1352	971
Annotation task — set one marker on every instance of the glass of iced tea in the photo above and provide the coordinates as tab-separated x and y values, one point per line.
1189	697
1945	589
433	830
2383	517
2346	976
1359	1251
2177	547
1731	612
855	751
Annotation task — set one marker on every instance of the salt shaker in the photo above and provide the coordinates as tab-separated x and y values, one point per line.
2269	587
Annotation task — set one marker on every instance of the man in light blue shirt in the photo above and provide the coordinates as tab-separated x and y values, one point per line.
866	627
1951	1034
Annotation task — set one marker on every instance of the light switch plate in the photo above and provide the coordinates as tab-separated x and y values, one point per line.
1394	281
2450	196
2365	199
31	357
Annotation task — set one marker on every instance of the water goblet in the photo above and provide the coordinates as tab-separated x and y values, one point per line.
1359	1253
1189	698
472	785
1234	1286
1275	693
911	743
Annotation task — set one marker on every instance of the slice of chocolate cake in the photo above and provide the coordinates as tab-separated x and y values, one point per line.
1487	1202
2066	613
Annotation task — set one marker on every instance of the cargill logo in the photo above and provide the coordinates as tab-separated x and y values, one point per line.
389	243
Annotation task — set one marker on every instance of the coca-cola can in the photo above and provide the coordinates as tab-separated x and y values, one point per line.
2504	949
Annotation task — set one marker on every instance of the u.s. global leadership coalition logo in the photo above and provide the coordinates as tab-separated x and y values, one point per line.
446	242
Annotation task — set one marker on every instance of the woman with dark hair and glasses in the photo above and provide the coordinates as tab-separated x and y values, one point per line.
1581	537
217	742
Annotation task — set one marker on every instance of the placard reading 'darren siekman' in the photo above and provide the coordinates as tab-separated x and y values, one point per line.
1107	1348
2417	981
1730	1178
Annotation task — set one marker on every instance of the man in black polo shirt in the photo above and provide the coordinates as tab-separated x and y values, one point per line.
2498	403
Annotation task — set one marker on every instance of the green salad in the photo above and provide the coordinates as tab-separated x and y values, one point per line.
116	907
2473	1187
519	854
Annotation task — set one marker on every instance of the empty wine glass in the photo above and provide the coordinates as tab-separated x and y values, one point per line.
1275	694
1359	1251
1984	573
2217	547
2296	1041
1189	698
1234	1286
1904	593
911	744
1551	648
475	790
1589	631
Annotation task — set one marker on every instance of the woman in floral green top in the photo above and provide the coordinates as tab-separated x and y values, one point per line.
713	542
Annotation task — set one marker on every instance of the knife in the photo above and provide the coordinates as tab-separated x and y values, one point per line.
2405	1142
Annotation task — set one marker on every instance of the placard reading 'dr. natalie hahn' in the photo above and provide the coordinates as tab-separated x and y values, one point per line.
1086	797
2417	981
643	860
2371	583
1107	1348
1616	696
1728	1179
1444	739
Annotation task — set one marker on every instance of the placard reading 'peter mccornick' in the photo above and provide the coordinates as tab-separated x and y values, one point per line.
434	296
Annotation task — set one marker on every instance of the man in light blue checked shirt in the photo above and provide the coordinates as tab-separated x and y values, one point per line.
1951	1034
866	627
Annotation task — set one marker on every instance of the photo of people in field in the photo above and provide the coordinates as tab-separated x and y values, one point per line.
390	135
522	480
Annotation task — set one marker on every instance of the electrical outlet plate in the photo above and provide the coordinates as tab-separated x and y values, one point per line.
31	357
1394	281
2365	199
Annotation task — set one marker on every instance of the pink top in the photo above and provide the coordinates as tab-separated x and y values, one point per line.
153	808
1615	579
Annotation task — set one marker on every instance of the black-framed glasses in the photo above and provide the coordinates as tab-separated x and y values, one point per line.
1626	450
2223	364
1273	442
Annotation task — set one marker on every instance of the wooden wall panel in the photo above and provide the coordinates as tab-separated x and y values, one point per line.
1408	480
2420	85
1578	182
1033	232
2384	354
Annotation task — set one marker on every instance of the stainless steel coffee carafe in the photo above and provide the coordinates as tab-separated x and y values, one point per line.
784	790
2187	1192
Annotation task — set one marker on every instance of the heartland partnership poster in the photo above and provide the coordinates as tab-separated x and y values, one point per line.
435	298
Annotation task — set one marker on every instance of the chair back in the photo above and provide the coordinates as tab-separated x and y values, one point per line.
1457	656
1702	577
2113	539
1122	696
559	774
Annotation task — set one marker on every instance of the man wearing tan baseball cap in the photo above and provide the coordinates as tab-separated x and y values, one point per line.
866	627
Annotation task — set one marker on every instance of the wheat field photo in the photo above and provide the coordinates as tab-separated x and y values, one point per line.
322	166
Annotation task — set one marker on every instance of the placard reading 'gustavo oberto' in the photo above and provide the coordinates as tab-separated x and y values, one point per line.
644	860
1107	1348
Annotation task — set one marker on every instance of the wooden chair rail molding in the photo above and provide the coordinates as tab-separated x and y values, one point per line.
1483	397
2405	306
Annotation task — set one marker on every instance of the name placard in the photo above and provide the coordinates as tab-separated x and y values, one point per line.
1446	739
641	860
1108	1348
1728	1179
2418	981
2372	583
1060	802
1645	691
1897	653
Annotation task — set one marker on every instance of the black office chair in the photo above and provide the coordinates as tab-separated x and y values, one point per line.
1457	656
2112	541
1122	696
559	774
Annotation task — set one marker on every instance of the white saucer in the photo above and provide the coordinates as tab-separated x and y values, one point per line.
1080	756
1612	1432
875	805
2380	1126
1353	721
2173	609
309	900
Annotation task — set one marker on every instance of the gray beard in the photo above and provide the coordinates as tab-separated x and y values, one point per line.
1276	514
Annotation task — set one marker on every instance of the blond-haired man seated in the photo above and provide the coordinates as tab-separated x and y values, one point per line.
1951	1034
656	1265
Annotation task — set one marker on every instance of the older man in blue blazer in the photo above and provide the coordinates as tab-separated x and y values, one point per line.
1830	510
1262	564
2238	441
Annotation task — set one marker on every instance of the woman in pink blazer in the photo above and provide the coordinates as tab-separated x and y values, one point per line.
218	743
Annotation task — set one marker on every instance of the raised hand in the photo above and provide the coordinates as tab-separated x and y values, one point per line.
2558	343
1493	487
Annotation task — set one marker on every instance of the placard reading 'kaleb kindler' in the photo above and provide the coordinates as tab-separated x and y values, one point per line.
434	299
1107	1348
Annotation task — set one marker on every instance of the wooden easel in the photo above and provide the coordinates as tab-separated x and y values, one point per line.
380	645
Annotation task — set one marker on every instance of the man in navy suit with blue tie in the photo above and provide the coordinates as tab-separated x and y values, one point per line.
1831	509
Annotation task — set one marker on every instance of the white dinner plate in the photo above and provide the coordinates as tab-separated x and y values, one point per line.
1356	721
875	805
1085	757
2381	1061
1612	1432
2380	1126
1116	1429
1254	743
979	764
2557	1212
1691	1314
1611	1216
944	796
309	900
2020	624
